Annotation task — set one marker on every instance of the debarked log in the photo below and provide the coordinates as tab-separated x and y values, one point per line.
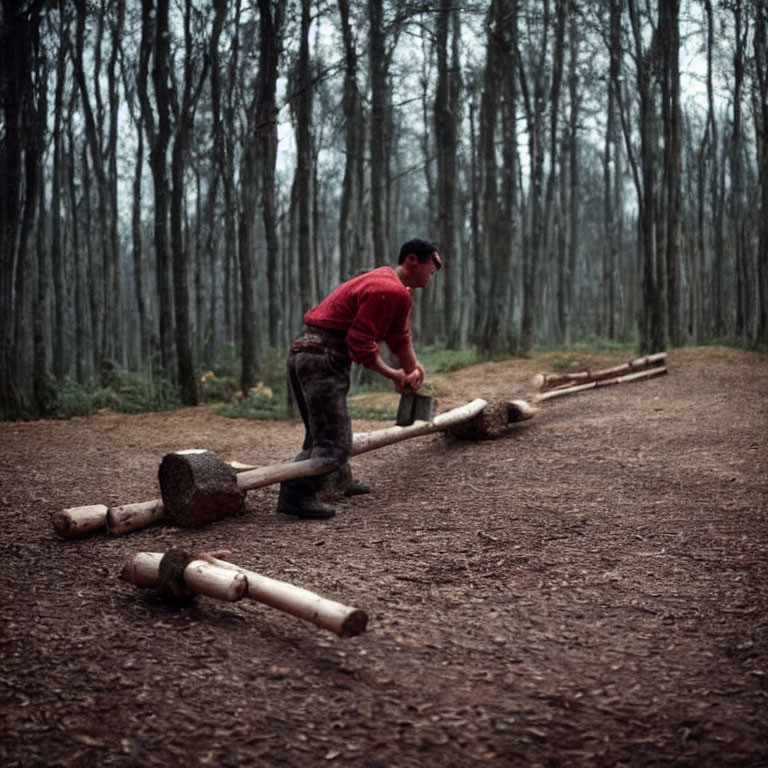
363	442
131	517
548	381
208	575
200	576
77	521
600	383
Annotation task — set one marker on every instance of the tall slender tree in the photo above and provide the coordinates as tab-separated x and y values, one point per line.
156	114
447	117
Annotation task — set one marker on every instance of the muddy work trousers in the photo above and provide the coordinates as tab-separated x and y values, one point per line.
320	383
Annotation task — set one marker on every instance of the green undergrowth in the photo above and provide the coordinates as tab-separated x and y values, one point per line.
119	391
147	391
372	413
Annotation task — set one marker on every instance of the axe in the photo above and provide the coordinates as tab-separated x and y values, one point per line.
415	407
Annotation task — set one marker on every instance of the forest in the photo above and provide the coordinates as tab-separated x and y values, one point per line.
182	179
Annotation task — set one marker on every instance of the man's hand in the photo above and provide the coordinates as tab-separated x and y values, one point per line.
416	377
404	382
402	385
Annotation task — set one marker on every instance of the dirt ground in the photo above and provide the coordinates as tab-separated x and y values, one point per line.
588	590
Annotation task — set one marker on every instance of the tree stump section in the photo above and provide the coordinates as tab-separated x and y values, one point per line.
489	424
199	489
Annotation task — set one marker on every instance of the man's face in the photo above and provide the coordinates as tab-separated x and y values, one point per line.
423	270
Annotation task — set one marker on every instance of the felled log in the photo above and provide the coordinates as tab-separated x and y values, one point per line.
77	521
131	517
547	381
299	602
198	574
600	383
205	574
198	489
362	442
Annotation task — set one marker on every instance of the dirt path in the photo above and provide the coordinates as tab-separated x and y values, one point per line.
589	590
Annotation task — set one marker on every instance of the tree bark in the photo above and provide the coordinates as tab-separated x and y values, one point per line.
352	225
18	36
669	35
57	184
760	102
155	46
271	29
379	74
447	115
184	118
653	321
304	163
498	207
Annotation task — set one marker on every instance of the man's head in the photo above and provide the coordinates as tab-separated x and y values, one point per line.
417	262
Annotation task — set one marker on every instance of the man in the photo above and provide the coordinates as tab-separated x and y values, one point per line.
347	326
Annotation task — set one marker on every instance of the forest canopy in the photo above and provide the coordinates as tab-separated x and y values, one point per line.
178	177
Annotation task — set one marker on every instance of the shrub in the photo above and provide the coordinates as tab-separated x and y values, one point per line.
261	404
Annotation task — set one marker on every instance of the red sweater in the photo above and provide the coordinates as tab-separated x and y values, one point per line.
371	307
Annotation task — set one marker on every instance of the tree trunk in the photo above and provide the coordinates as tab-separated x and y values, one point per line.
533	88
379	73
447	115
669	37
498	206
245	241
42	393
266	109
185	115
304	153
57	183
653	317
77	271
610	158
760	102
155	45
352	226
736	202
113	325
107	233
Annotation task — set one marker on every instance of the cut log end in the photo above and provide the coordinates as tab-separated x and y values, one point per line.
77	521
355	624
172	585
198	489
489	424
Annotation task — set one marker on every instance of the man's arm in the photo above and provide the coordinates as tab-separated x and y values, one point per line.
414	370
397	375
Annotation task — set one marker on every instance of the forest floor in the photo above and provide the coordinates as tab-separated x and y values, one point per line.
588	590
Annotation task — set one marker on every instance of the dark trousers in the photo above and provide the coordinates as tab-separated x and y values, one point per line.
320	383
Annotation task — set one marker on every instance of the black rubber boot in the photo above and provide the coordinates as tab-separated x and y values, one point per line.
356	488
305	507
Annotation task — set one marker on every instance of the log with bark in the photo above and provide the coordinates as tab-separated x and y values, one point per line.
78	521
562	391
180	575
548	381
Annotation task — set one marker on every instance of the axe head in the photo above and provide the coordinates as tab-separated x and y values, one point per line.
415	407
